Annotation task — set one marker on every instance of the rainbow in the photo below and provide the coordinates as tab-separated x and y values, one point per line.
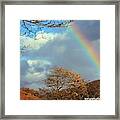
86	45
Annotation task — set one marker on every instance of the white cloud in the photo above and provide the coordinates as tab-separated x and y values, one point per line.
29	43
60	49
44	37
33	73
35	76
38	63
40	40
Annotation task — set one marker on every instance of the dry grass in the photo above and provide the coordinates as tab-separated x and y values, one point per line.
93	91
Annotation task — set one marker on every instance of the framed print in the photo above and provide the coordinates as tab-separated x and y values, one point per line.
60	60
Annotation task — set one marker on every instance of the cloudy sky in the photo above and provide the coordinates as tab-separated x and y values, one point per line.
45	48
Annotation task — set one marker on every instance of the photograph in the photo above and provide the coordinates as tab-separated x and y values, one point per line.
59	59
58	55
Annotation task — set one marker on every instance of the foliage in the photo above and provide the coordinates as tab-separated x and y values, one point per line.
93	89
63	84
66	84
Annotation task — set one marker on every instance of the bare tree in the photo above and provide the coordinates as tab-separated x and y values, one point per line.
30	27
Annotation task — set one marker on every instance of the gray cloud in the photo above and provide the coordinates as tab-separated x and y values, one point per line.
23	67
90	28
65	52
